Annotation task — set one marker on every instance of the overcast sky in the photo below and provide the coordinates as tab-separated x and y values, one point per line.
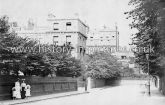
96	13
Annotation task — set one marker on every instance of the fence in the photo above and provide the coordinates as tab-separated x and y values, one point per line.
39	85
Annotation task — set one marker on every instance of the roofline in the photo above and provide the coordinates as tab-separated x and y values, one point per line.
69	19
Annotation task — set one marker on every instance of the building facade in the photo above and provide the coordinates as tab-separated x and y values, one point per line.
69	31
127	59
60	32
105	37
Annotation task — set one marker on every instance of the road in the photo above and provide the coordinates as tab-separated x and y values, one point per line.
128	93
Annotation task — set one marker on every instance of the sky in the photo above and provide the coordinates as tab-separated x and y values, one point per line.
96	13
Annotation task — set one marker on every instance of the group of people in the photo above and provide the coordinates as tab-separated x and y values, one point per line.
21	90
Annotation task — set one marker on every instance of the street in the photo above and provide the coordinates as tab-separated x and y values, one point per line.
130	92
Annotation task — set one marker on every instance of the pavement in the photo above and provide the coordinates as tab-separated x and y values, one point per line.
44	97
81	90
128	93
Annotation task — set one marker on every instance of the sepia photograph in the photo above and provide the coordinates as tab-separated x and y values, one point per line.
82	52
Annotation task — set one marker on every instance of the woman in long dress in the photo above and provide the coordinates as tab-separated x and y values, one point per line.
23	90
17	90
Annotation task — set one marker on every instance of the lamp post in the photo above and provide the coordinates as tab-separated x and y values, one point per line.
85	77
148	66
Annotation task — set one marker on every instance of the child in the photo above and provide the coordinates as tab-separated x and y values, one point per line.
14	93
28	91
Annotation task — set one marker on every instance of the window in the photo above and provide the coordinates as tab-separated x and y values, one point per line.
68	24
69	43
55	26
55	36
84	52
56	23
91	37
123	57
56	29
113	36
55	42
81	49
68	36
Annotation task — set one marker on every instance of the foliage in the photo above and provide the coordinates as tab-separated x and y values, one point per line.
145	19
32	62
64	64
10	61
102	65
126	71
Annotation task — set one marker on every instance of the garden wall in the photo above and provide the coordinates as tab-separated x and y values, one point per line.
95	83
39	85
162	84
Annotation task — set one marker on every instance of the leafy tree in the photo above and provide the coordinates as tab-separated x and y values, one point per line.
9	61
52	63
12	60
102	65
145	20
68	66
126	71
32	62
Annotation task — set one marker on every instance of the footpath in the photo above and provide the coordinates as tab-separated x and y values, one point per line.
156	98
46	97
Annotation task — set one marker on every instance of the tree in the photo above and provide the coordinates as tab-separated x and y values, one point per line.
52	63
10	61
68	66
16	55
13	60
145	20
126	71
103	65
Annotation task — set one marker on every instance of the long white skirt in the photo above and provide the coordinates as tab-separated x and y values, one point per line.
28	93
18	93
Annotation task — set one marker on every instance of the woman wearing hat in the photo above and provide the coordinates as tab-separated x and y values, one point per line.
23	89
17	89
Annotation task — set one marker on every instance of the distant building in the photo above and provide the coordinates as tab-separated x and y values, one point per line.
14	26
127	59
103	38
60	32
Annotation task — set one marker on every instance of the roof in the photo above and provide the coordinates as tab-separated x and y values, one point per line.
69	19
